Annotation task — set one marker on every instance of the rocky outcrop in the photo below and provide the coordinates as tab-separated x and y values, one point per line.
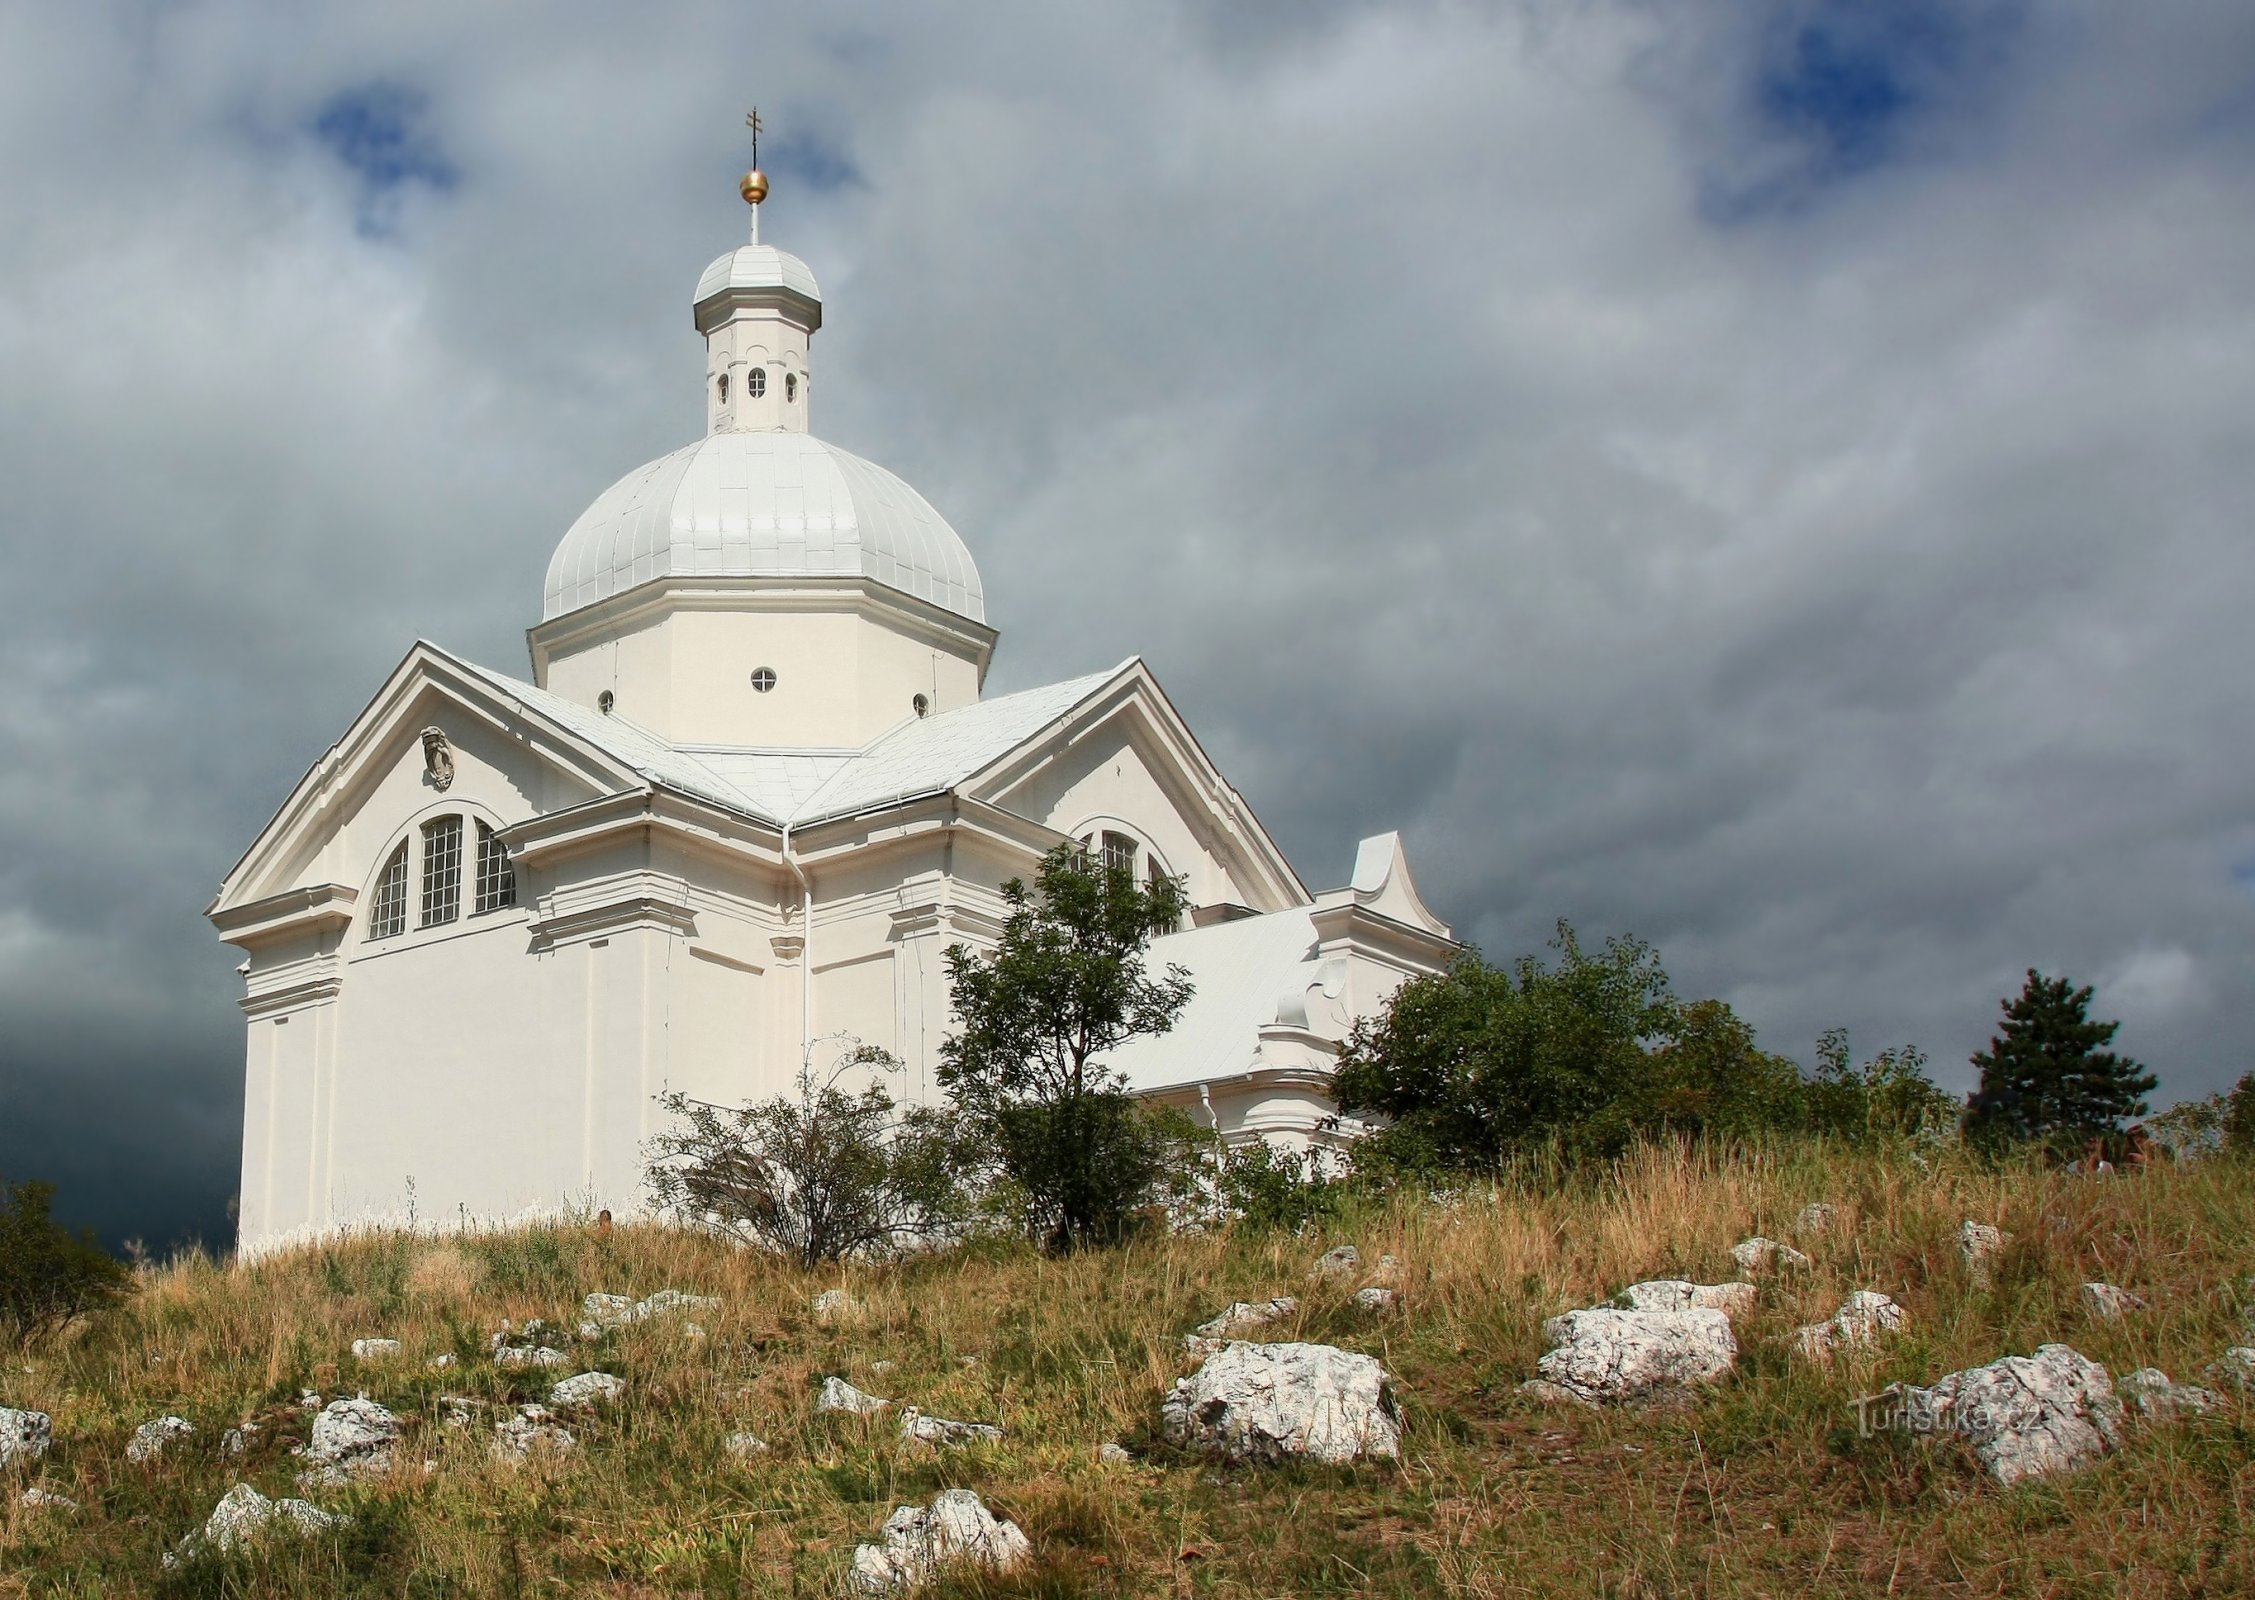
600	1314
588	1389
152	1439
2109	1303
1606	1356
839	1395
956	1529
536	1344
352	1439
1677	1294
2235	1366
1374	1299
1861	1319
24	1436
38	1499
1239	1319
1979	1245
1342	1262
1763	1255
530	1430
243	1518
2025	1416
2151	1395
917	1428
1264	1402
374	1349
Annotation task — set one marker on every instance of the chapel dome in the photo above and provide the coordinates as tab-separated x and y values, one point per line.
762	505
757	266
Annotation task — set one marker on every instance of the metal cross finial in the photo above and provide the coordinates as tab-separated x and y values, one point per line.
751	121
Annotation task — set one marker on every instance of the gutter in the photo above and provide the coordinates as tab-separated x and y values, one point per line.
806	952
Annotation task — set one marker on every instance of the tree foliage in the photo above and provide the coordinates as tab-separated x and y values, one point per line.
1587	1053
1066	985
819	1175
2047	1074
49	1275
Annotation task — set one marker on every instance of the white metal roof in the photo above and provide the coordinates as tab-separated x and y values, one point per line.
762	505
1242	972
758	266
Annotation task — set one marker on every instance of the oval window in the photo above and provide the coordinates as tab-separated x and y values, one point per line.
790	386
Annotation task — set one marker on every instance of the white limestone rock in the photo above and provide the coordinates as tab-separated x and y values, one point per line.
1263	1402
1112	1454
588	1389
528	1430
1861	1319
882	1367
1675	1294
1607	1355
1388	1270
1979	1245
308	1400
835	1305
352	1439
238	1439
1375	1299
956	1529
536	1355
2109	1303
1815	1218
839	1395
152	1439
1341	1262
244	1517
1242	1317
917	1428
2025	1416
440	1363
24	1435
1760	1255
745	1445
2235	1366
374	1349
2150	1393
605	1313
38	1499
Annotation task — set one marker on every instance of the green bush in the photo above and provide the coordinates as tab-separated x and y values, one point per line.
48	1275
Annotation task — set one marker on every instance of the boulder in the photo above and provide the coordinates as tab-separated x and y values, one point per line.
243	1518
1341	1262
1861	1319
606	1312
2108	1303
918	1428
374	1349
352	1439
152	1439
956	1529
24	1435
839	1395
1114	1455
2150	1393
744	1445
1242	1317
2025	1416
1263	1402
1374	1299
588	1389
1675	1294
1979	1245
1760	1255
1815	1218
530	1429
1608	1355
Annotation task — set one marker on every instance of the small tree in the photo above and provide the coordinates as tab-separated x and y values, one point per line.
819	1175
1889	1096
48	1275
1066	985
2046	1075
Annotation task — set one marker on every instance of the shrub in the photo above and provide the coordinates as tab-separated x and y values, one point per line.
49	1275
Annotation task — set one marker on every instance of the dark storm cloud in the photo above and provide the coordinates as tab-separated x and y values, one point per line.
1768	478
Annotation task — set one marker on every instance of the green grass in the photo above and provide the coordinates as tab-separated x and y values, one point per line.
1766	1487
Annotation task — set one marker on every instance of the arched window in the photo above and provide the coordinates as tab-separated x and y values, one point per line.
755	382
790	386
497	875
387	915
442	870
1119	851
724	388
920	704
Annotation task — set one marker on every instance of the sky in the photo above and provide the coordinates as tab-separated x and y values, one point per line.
1771	478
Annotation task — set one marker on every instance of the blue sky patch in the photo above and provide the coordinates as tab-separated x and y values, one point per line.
381	131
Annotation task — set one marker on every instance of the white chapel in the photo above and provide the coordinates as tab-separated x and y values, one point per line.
748	796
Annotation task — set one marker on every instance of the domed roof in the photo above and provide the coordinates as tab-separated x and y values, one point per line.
762	505
758	266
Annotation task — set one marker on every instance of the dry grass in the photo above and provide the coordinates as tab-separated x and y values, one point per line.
1766	1488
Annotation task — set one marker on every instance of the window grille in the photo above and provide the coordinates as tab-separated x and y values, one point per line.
442	870
790	386
497	875
1119	851
388	915
755	382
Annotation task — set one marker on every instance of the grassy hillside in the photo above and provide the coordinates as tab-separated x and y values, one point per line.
1764	1488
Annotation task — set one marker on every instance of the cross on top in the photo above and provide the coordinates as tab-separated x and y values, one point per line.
751	121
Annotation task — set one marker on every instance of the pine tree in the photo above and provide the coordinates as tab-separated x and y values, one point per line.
2047	1073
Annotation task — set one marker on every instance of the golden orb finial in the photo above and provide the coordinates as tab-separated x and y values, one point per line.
754	187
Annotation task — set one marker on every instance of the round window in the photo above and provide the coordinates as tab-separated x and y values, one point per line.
921	706
763	679
755	382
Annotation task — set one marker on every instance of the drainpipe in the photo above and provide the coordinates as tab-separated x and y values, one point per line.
806	953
